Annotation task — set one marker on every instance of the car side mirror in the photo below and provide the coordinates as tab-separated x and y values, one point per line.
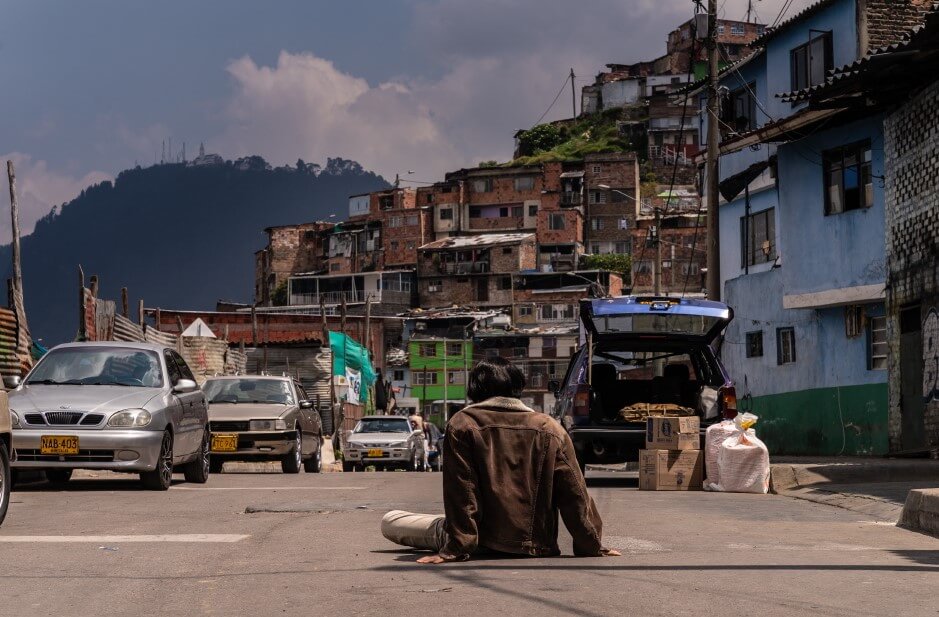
185	386
554	385
11	382
306	404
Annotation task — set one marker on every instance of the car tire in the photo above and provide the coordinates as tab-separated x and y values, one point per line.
6	480
161	477
58	477
314	464
293	460
215	464
197	471
348	467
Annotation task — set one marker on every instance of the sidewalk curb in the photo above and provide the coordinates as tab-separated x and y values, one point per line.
789	476
921	511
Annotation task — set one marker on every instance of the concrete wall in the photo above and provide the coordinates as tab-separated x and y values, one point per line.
912	239
829	252
620	93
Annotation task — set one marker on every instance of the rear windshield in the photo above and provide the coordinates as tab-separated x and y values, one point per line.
696	325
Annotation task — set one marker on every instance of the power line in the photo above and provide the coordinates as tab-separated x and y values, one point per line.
561	91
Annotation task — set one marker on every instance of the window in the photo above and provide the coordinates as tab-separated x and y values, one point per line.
520	352
532	210
507	250
596	224
720	28
503	212
737	30
525	183
556	221
483	185
446	214
172	369
434	286
397	375
785	345
643	267
621	248
596	169
618	196
492	353
424	378
455	349
333	267
411	220
557	312
848	184
594	248
454	377
525	310
877	350
430	198
410	245
395	221
505	282
758	238
755	344
597	197
427	350
518	211
394	245
549	342
760	30
808	63
853	320
739	113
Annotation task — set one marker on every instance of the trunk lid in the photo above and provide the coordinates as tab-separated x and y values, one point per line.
636	318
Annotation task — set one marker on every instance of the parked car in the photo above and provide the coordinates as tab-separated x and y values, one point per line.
6	453
129	407
255	418
384	442
641	350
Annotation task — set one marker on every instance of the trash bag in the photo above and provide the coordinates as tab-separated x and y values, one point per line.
714	437
743	460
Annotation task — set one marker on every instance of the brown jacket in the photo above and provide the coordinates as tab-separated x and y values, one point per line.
507	472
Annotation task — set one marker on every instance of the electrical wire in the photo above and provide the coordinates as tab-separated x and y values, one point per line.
561	91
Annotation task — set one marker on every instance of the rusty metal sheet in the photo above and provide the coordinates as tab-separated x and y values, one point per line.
127	331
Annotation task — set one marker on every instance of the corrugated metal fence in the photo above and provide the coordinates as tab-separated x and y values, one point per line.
10	362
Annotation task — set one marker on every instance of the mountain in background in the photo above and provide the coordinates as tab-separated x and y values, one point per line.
177	235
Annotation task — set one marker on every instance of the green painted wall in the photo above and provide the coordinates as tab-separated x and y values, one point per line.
850	420
455	362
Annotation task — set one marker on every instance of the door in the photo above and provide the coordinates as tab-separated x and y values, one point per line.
194	410
482	289
175	407
912	388
309	421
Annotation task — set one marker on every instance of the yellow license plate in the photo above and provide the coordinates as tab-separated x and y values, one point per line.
224	443
375	453
58	444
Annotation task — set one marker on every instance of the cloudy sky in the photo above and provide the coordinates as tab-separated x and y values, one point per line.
91	88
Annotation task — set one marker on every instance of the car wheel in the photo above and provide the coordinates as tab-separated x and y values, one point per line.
292	461
215	464
162	476
6	481
58	477
348	467
314	464
197	470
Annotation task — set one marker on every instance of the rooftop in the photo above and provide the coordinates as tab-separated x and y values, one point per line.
477	241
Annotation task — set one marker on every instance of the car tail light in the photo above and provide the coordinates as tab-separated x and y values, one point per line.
582	401
727	400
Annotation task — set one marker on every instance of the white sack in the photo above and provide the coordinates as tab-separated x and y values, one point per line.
707	402
743	464
715	436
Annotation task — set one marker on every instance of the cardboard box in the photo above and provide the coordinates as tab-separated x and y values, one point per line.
671	470
673	433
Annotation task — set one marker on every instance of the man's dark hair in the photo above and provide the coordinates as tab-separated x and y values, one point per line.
495	377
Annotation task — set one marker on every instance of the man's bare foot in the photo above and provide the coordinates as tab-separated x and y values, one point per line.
609	552
432	559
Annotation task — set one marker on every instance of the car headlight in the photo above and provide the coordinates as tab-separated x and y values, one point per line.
398	444
130	418
356	445
14	419
268	425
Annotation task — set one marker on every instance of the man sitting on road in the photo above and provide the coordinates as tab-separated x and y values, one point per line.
508	472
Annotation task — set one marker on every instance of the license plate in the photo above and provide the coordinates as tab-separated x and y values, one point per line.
58	444
375	453
224	443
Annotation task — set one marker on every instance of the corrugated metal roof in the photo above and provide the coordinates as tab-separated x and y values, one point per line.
475	241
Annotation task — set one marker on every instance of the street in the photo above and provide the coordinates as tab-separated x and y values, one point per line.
266	543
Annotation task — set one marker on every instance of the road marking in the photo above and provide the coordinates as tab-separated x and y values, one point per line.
268	488
181	537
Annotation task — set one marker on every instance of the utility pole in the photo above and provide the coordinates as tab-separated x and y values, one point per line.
749	9
657	272
711	171
23	339
573	96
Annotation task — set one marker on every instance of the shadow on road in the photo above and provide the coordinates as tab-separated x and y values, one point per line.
74	486
612	481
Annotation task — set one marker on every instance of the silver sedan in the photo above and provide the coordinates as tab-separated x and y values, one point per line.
130	407
384	442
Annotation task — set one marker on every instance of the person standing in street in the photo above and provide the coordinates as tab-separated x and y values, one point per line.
510	470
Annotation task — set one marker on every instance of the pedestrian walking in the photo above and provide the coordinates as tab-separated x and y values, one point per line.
509	472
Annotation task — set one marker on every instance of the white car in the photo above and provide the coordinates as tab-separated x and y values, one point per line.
384	442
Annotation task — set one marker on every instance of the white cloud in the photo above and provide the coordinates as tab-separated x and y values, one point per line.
38	189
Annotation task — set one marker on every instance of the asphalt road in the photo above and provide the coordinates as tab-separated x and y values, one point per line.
267	544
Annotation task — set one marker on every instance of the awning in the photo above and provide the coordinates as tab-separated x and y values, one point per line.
572	174
734	185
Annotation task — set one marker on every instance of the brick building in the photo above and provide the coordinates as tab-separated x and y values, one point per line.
473	270
686	43
290	248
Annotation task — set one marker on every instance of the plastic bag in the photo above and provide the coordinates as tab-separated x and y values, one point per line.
714	437
743	460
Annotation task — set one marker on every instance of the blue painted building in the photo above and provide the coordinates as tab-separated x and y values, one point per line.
802	235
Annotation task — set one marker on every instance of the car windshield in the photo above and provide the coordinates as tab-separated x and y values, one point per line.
382	425
234	391
98	366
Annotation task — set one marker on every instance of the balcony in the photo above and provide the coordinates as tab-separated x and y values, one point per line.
571	199
468	267
331	297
